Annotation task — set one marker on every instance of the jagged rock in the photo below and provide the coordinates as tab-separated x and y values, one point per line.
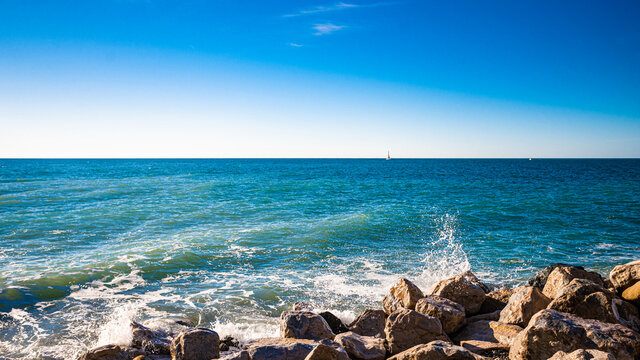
106	352
239	355
196	344
472	278
450	314
592	301
336	325
496	300
492	316
583	354
407	328
403	294
437	350
287	349
362	347
632	294
483	337
228	342
326	352
304	325
370	323
522	305
623	276
562	276
539	280
302	306
550	331
151	341
461	290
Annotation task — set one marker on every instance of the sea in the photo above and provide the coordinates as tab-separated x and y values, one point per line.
86	246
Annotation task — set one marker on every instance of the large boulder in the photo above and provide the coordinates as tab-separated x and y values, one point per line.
539	280
472	278
106	352
336	325
562	276
583	354
632	294
196	344
407	328
461	290
450	314
288	349
437	350
550	331
592	301
496	300
403	294
483	337
151	341
362	347
522	305
623	276
304	325
370	323
327	352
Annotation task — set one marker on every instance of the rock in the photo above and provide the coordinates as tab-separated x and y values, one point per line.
592	301
326	352
239	355
407	328
370	323
151	341
304	325
228	342
539	280
461	290
362	347
140	357
483	337
522	305
562	276
623	276
288	349
496	300
632	294
403	294
492	316
450	314
196	344
437	350
302	306
106	352
336	325
471	277
550	331
583	354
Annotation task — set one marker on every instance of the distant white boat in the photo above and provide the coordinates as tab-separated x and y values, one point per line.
388	156
529	158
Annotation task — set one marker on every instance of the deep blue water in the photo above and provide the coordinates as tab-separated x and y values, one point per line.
86	245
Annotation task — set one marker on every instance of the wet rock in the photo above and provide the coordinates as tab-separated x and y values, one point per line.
562	276
287	348
302	306
623	276
362	347
437	350
492	316
484	337
592	301
450	314
327	352
403	294
151	341
196	344
228	342
522	305
407	328
496	300
461	290
336	325
106	352
583	354
304	325
370	323
632	294
550	331
472	278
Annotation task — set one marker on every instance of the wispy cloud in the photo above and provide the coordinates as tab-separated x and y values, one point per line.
295	44
322	9
326	28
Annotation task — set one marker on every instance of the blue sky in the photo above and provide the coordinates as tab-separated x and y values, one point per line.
222	78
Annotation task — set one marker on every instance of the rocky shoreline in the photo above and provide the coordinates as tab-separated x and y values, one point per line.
564	312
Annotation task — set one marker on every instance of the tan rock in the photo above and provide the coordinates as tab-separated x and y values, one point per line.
484	336
522	305
196	344
327	352
370	323
437	350
550	331
239	355
562	276
472	278
632	293
496	300
291	349
362	347
403	294
106	352
450	314
407	328
492	316
583	354
304	325
140	357
623	276
462	291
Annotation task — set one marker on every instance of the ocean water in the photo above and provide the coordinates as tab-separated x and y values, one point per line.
87	245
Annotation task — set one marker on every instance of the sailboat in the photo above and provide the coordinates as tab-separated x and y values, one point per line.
388	156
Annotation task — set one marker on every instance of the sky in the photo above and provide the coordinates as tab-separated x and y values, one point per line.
234	78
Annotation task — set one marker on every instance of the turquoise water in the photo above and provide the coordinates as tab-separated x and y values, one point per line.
86	245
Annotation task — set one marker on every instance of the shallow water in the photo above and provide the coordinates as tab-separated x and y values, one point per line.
87	245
